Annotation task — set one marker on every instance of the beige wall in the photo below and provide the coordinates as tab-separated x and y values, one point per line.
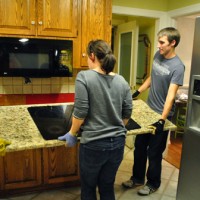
172	4
160	5
186	27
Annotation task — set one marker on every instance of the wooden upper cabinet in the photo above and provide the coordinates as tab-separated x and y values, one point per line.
96	23
57	18
17	17
39	17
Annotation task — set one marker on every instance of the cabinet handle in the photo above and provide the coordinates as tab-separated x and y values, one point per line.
32	22
40	22
83	54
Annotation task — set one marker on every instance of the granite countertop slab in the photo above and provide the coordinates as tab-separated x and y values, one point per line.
17	126
145	116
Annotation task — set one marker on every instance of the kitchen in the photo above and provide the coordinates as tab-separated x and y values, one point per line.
48	90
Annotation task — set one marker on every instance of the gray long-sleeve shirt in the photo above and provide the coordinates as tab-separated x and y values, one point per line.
103	101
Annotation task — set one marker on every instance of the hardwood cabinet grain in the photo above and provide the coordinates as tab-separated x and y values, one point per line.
38	169
57	18
20	169
60	164
17	17
39	17
96	23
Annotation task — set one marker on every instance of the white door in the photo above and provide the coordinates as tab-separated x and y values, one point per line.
126	45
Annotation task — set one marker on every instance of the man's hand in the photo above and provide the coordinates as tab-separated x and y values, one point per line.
157	127
135	94
70	139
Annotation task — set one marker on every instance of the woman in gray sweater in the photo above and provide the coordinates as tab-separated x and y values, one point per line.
103	106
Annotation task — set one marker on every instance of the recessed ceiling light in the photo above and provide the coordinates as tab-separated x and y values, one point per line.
23	39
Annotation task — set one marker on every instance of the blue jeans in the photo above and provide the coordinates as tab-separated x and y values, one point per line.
151	147
99	162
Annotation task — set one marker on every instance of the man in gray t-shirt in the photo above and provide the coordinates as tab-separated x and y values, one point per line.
166	77
164	73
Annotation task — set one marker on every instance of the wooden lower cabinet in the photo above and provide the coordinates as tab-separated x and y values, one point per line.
38	169
60	164
19	170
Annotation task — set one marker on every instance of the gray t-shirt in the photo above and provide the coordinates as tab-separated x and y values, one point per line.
164	72
103	100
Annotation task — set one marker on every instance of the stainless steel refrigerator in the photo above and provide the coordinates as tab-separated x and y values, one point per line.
189	175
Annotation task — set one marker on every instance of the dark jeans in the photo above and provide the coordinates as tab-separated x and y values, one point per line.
151	147
99	162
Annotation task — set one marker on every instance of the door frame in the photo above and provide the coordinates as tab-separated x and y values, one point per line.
126	28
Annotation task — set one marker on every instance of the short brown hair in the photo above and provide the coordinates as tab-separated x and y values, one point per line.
171	33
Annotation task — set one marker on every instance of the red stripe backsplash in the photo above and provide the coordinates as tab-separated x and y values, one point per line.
49	98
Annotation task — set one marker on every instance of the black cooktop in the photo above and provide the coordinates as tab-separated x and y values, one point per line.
131	125
55	121
52	121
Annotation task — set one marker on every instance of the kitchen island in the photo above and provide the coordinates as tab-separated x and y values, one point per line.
32	163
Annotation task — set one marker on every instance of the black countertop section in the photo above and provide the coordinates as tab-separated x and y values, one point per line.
52	121
131	125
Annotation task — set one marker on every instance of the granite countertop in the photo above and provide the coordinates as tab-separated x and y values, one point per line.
145	116
18	127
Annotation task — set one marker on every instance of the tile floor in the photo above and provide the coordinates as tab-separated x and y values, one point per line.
167	191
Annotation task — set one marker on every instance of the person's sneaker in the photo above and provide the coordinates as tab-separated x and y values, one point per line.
130	184
146	190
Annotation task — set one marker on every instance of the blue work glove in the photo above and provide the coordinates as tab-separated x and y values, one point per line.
157	127
135	94
70	139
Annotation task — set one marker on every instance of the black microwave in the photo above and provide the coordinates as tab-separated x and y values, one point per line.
28	57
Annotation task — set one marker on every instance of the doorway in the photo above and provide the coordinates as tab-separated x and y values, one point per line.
125	49
126	43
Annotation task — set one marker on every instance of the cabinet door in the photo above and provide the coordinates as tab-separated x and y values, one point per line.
96	23
60	164
20	169
57	18
17	17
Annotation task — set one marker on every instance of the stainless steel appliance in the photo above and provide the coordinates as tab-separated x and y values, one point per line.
189	176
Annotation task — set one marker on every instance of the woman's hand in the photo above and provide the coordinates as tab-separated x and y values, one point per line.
70	139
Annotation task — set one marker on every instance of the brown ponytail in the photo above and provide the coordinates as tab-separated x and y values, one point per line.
103	53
